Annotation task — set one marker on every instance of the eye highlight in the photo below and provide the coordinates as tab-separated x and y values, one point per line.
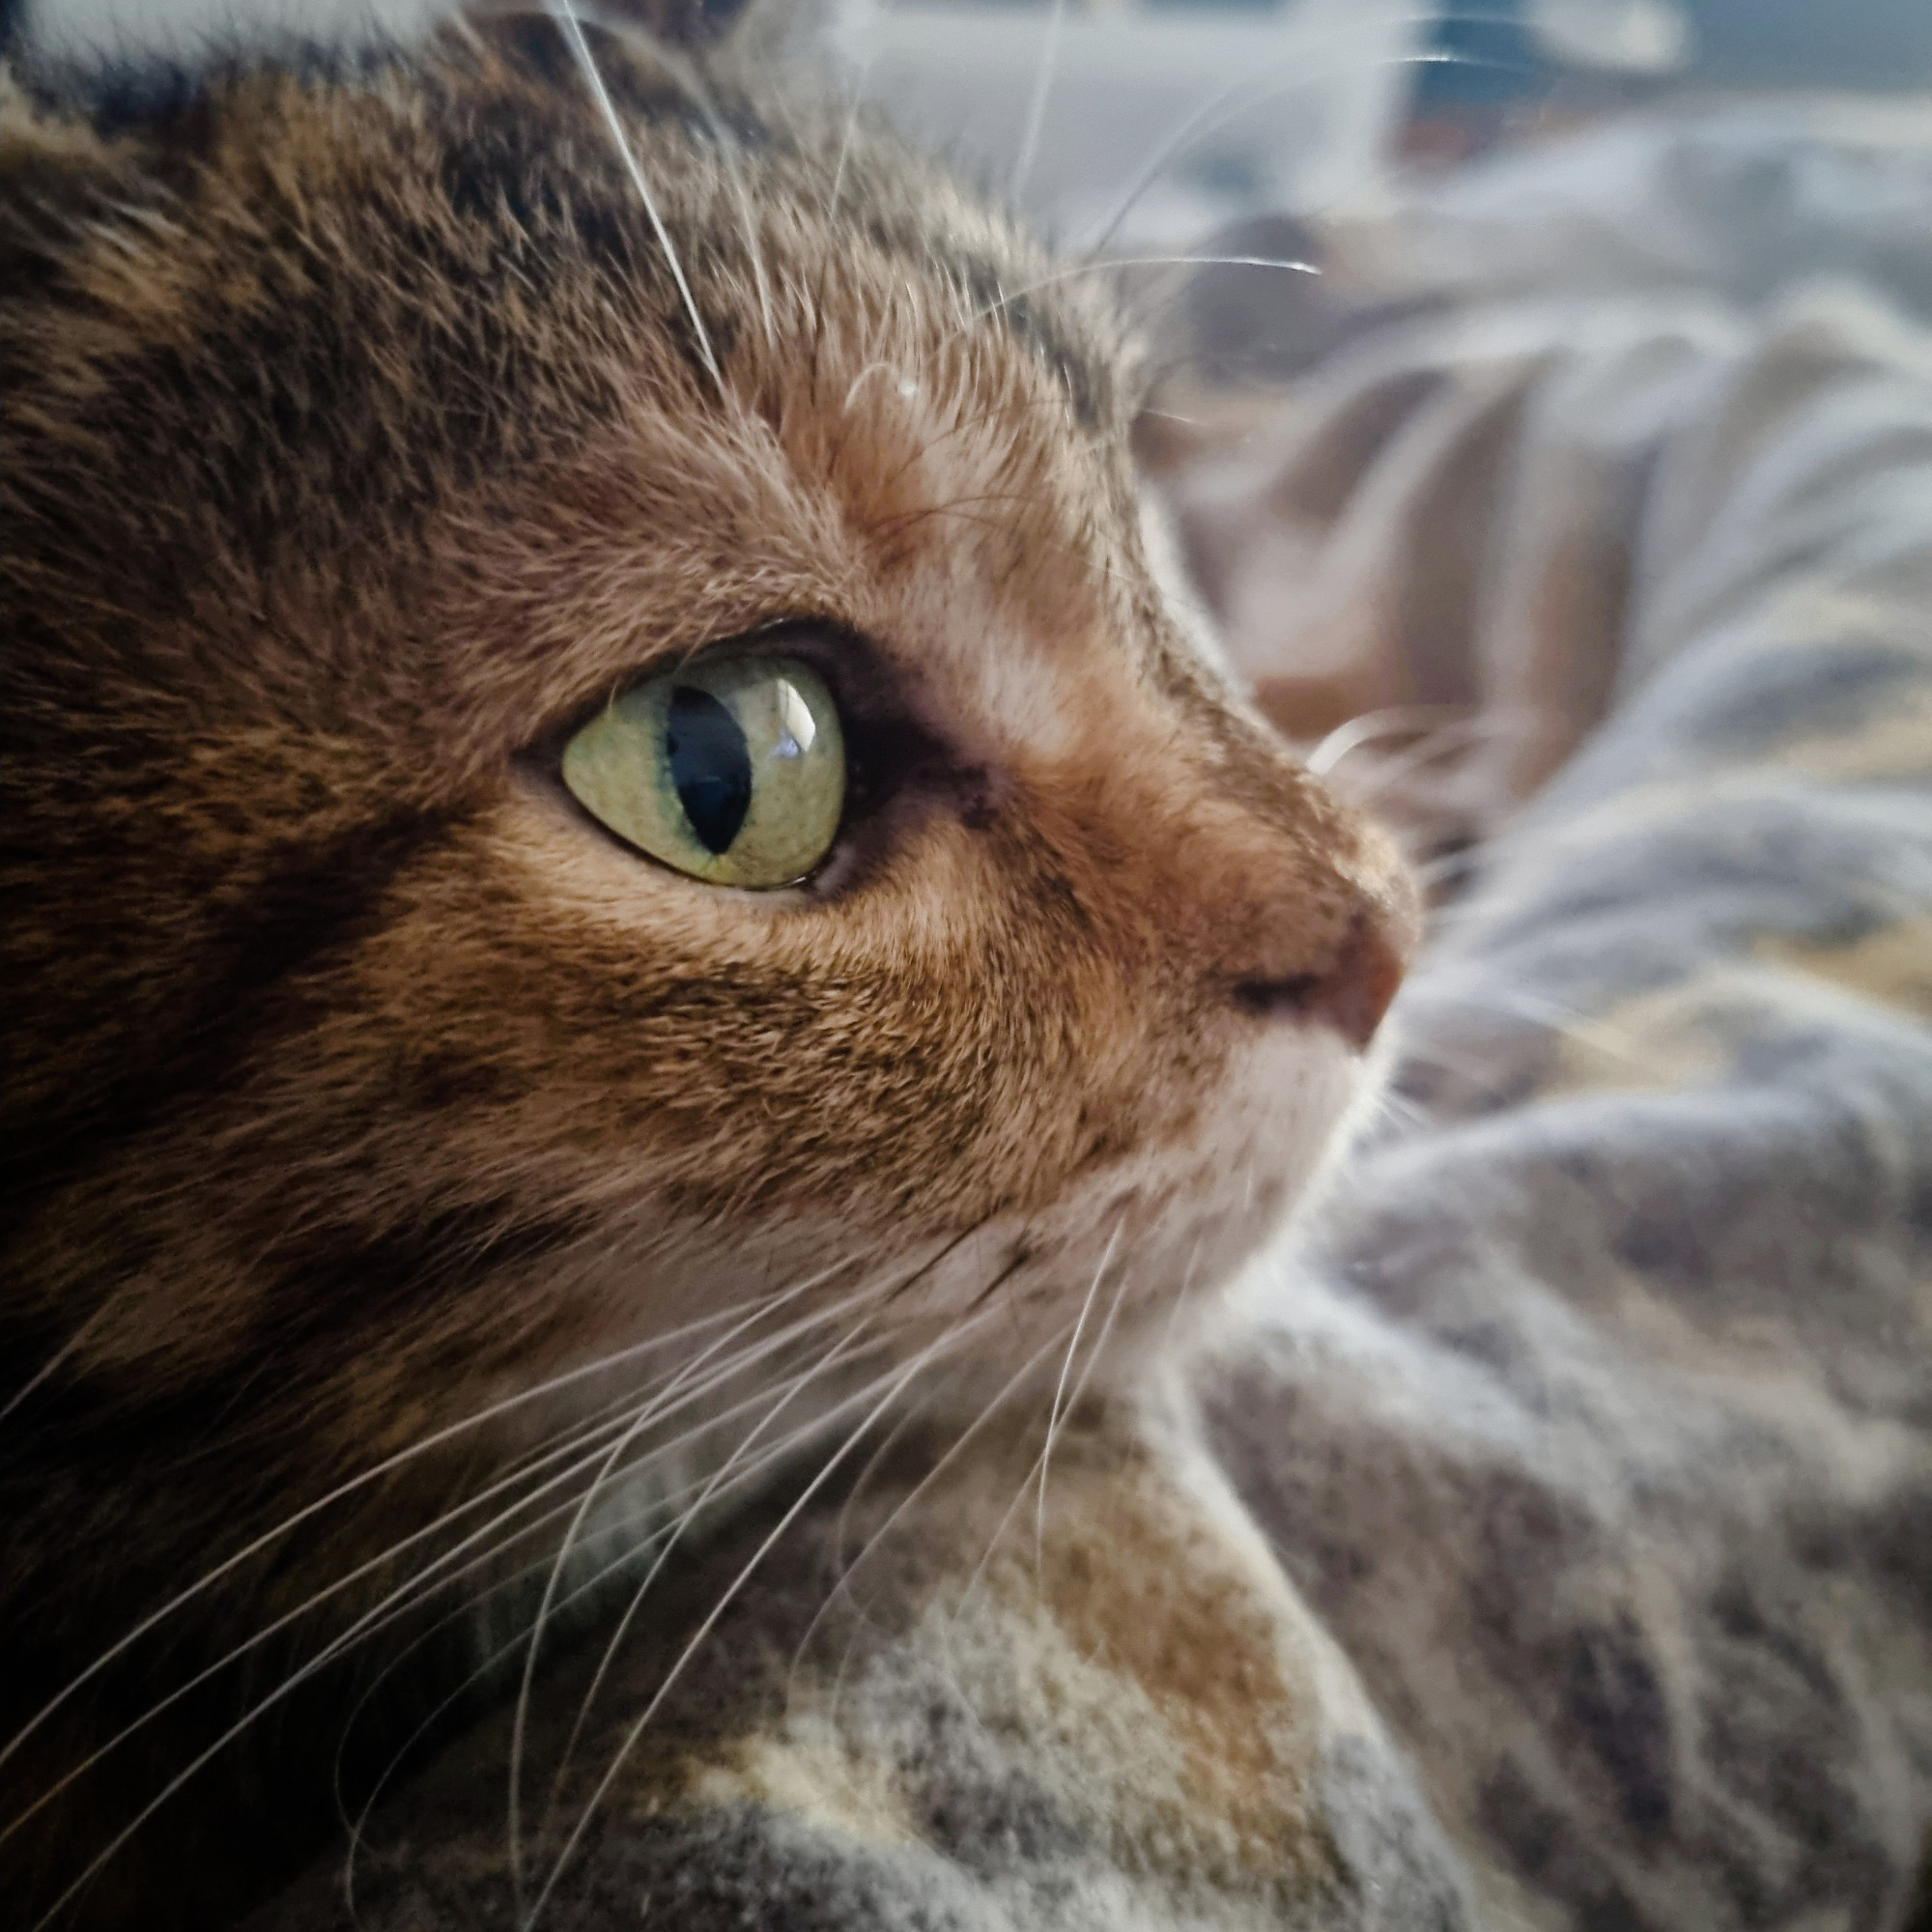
731	770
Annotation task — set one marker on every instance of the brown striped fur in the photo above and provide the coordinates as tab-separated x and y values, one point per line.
355	442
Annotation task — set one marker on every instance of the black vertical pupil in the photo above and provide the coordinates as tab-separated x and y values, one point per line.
710	765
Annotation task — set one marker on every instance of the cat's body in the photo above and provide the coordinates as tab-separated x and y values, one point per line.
363	435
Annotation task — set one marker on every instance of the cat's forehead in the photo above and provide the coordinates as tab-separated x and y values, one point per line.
497	197
334	304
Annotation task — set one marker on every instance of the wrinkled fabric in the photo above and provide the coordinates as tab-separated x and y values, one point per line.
1596	1423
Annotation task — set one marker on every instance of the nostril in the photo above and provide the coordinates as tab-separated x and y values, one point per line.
1277	999
1351	994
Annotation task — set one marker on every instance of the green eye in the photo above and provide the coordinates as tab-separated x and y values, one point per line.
732	771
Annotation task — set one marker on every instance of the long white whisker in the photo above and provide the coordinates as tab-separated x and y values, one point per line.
521	1715
52	1363
1001	1527
618	1636
1178	1300
1093	1362
687	77
537	1644
334	1649
1457	737
622	1628
1078	268
842	1523
845	138
559	10
412	1588
1569	1022
1254	91
1060	1388
849	1570
1366	727
693	1497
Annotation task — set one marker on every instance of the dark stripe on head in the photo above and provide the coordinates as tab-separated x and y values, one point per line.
311	905
1086	381
332	1290
1087	378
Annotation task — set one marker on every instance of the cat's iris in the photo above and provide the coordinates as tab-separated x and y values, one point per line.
731	769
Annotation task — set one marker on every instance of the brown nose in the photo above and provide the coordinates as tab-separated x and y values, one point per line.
1351	991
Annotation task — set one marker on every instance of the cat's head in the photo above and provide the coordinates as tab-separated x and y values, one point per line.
399	458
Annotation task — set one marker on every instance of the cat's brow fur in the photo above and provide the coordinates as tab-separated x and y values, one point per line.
356	440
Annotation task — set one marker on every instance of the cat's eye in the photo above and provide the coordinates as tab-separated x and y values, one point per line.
731	769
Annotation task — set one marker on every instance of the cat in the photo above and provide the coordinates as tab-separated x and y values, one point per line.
611	816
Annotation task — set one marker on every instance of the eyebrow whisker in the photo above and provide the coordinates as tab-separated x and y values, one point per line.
573	32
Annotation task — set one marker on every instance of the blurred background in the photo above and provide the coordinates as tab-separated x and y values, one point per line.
1137	123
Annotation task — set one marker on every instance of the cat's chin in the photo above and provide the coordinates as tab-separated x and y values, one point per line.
1120	1266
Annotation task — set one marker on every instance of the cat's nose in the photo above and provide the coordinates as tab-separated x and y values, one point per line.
1352	988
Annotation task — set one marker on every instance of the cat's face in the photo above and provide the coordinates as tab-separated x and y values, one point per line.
364	450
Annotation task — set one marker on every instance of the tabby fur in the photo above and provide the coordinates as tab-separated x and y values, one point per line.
359	439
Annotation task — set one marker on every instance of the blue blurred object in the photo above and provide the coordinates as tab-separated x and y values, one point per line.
1478	58
1499	51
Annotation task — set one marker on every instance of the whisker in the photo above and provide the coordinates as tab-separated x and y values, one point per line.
1178	1300
579	49
616	1642
52	1363
1366	727
1453	739
611	1649
1001	1527
1439	870
842	1524
1038	1466
386	1466
584	1508
1404	1112
1256	90
659	1406
991	1408
694	1496
712	1617
1118	262
1569	1022
331	1651
1060	1388
978	1301
1099	1350
845	138
686	74
1042	85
